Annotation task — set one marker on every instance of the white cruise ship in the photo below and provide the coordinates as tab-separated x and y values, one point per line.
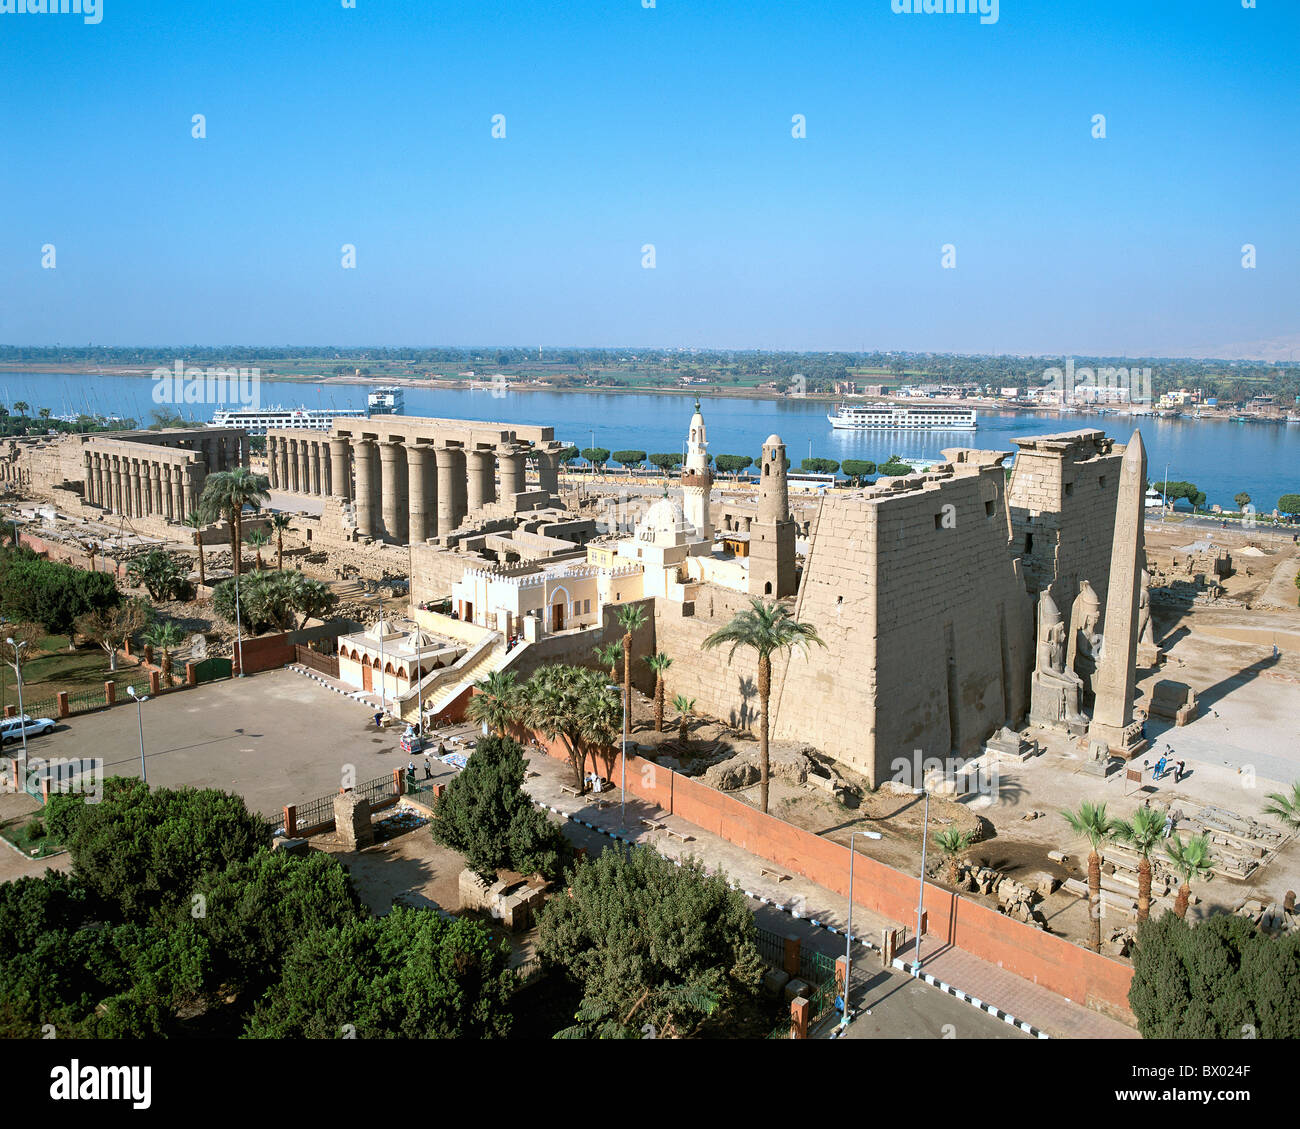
256	421
902	417
387	400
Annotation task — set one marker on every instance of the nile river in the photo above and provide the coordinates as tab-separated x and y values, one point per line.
1222	458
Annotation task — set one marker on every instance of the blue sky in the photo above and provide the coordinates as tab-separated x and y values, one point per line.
669	126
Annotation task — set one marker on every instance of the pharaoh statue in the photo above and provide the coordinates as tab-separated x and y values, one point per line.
1149	653
1085	637
1055	689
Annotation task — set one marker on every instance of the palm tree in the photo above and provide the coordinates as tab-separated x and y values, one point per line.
196	523
609	655
21	406
952	842
259	539
1144	833
1091	822
1193	861
165	636
631	617
1286	808
560	702
765	629
225	494
683	705
496	701
659	663
280	522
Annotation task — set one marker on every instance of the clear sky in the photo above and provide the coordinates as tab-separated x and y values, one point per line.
669	126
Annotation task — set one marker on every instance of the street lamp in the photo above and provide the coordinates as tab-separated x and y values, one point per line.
848	932
623	703
925	833
140	700
18	670
239	626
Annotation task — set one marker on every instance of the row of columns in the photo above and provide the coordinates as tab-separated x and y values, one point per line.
141	487
222	452
405	492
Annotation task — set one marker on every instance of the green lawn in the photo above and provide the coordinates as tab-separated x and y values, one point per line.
56	668
27	833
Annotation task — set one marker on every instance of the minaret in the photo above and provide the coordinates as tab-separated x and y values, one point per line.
1113	684
771	537
697	481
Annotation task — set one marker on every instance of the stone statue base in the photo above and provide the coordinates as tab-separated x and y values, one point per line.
1149	656
1126	742
1054	704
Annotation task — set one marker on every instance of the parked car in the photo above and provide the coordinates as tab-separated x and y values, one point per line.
11	728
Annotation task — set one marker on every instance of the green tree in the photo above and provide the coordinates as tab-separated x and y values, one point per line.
1289	504
659	664
196	523
409	975
568	455
52	594
650	942
683	705
485	814
226	494
597	456
280	523
1241	499
495	702
1193	861
895	467
1090	822
1175	490
1220	979
629	458
1144	833
952	843
858	469
259	539
766	629
666	461
22	408
574	706
631	618
141	851
157	573
165	636
819	466
1286	808
733	464
609	655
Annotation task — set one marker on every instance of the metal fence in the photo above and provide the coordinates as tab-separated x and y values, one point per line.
83	700
379	790
318	814
771	947
313	814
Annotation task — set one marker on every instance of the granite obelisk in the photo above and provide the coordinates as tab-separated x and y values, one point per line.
1113	684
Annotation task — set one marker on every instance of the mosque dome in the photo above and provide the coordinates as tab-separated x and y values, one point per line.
773	440
662	523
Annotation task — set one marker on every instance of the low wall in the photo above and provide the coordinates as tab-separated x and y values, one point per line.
1066	969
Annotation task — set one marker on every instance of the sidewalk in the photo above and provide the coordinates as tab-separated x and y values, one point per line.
816	914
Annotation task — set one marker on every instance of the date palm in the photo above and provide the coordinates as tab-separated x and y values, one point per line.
659	664
1193	862
631	618
280	522
558	702
1286	808
196	523
609	655
683	705
259	539
1144	833
226	494
495	701
1091	823
766	629
952	842
165	636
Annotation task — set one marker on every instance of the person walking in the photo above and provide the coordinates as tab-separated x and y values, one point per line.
428	769
1180	767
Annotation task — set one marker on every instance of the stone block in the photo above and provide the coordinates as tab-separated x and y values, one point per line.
794	989
775	981
352	821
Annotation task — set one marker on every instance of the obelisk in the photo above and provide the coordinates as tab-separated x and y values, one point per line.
1113	684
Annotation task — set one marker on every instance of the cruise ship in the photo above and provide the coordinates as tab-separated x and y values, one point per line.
902	417
256	421
387	400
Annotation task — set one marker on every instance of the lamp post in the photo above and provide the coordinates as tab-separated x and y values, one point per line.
140	700
622	815
848	932
920	902
18	670
239	624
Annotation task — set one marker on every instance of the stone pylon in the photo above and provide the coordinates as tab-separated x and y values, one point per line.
1113	684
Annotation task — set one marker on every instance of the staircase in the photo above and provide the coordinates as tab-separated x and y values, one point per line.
439	688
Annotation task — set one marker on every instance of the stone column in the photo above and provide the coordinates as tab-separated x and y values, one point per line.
510	462
272	464
1113	684
191	488
340	467
392	464
133	488
326	471
548	471
179	512
106	482
315	469
422	507
480	473
451	488
88	494
304	470
367	483
282	452
155	481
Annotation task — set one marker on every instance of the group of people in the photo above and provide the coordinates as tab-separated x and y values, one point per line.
1165	764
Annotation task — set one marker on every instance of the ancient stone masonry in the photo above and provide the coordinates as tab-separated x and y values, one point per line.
407	480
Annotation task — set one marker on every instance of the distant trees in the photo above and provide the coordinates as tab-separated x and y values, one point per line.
1242	500
268	599
159	574
666	461
733	464
629	458
597	456
650	943
568	455
52	594
858	469
1175	490
1289	504
1221	979
819	466
895	466
485	814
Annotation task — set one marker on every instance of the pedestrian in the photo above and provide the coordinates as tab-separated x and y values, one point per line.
379	717
1169	824
428	769
1160	766
1180	767
1275	650
410	769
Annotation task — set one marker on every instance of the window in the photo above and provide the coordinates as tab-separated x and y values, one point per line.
1101	482
586	607
1069	489
989	509
938	521
1029	542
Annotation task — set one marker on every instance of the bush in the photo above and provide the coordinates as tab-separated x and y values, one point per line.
34	829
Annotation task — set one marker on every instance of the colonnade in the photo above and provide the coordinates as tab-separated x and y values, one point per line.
138	486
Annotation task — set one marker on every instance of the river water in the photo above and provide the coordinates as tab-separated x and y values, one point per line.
1221	457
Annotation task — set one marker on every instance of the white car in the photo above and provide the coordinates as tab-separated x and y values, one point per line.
12	728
